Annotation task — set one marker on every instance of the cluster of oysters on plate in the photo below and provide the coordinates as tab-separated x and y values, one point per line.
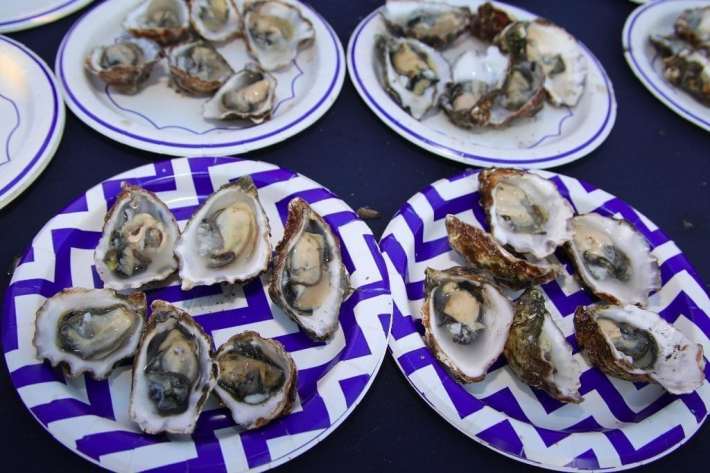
469	318
686	53
524	63
175	368
186	32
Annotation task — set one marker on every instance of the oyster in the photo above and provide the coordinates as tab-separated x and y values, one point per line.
89	330
690	70
173	372
138	241
638	345
215	20
488	22
275	32
693	25
126	64
668	45
227	239
554	49
487	257
525	211
613	260
256	379
411	72
435	24
247	95
537	351
197	68
466	321
163	21
309	281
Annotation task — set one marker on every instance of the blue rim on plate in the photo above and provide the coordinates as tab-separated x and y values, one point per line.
620	425
84	414
45	16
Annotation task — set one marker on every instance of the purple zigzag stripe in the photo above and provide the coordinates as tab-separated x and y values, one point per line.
99	396
34	374
61	409
396	253
504	437
352	387
401	325
628	454
257	310
311	196
357	344
64	240
695	404
104	443
585	461
13	130
504	401
456	205
21	288
162	181
566	305
423	250
415	360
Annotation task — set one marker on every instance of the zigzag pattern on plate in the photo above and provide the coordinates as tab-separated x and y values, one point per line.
620	423
91	417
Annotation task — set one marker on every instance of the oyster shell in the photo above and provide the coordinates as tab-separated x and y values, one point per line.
126	64
693	25
275	32
256	379
537	351
525	211
435	24
613	260
173	372
215	20
309	281
411	72
690	70
227	239
138	241
89	330
163	21
488	22
638	345
466	321
247	95
197	68
488	258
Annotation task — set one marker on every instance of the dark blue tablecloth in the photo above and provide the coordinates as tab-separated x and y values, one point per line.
653	159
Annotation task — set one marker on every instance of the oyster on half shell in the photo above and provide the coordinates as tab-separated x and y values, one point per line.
247	95
198	68
163	21
126	64
215	20
693	25
435	24
488	22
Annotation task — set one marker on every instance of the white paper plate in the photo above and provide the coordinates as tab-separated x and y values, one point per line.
158	119
24	14
31	118
658	17
553	137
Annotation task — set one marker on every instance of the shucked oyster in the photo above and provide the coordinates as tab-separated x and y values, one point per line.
126	64
164	21
538	352
411	72
488	22
693	25
215	20
138	241
256	379
690	70
309	281
227	239
197	68
247	95
487	257
435	24
525	211
638	345
466	321
613	260
89	330
173	372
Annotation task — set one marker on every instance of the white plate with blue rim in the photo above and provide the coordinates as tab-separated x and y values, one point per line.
657	18
553	137
160	120
31	118
28	14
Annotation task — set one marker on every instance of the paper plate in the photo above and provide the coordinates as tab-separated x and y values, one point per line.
25	14
91	417
620	424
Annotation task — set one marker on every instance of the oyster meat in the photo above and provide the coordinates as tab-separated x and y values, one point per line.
537	351
126	64
487	257
488	22
247	95
309	281
89	330
693	25
256	379
613	260
525	211
163	21
466	321
435	24
138	241
275	32
197	68
639	346
173	372
227	239
411	72
215	20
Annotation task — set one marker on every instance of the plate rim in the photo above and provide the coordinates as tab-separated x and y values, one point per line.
47	16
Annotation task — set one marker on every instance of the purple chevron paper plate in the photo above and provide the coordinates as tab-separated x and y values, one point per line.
620	424
91	417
